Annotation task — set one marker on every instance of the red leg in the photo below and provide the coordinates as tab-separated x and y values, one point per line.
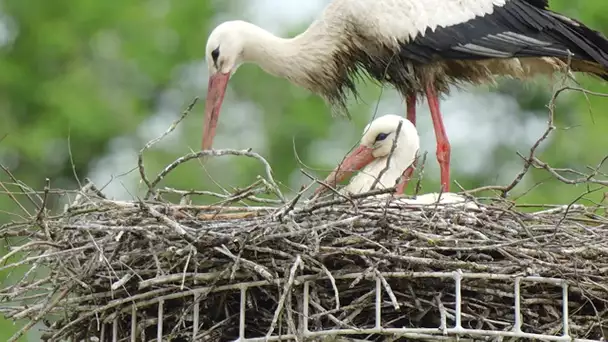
443	145
407	174
410	103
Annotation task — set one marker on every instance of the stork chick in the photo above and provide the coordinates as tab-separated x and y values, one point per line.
374	161
373	156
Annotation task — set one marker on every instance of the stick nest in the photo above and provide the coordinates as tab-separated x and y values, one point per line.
90	267
114	270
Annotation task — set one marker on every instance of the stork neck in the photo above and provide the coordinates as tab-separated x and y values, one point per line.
296	59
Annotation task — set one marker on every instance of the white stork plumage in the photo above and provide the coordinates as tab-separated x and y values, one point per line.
373	158
418	46
440	199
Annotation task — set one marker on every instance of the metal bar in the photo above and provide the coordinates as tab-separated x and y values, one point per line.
195	316
456	331
517	326
115	330
378	303
159	324
305	308
458	279
398	275
143	334
242	314
428	331
565	309
133	323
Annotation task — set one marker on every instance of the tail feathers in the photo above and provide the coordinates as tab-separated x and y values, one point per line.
590	68
589	46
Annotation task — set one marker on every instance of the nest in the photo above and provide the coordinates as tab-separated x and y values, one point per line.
109	269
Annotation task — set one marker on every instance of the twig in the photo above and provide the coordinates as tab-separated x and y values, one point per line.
72	159
389	291
261	270
121	282
442	314
47	187
583	180
179	229
530	159
280	213
388	159
40	315
333	285
21	187
325	186
420	175
12	197
217	153
286	291
230	198
27	246
550	128
140	155
317	205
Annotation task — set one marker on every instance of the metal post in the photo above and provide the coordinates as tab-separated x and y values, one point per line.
458	297
305	308
517	326
378	303
565	308
133	323
242	315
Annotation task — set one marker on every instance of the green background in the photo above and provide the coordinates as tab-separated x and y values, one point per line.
110	75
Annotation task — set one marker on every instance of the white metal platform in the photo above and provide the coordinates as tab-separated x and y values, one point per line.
441	332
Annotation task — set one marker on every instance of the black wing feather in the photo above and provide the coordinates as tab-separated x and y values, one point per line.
539	3
520	28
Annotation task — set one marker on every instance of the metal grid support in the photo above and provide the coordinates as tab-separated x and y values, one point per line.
456	330
442	330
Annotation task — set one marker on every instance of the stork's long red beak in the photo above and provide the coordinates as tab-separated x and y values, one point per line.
215	96
355	161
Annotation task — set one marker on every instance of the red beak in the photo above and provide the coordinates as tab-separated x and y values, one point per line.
355	161
215	96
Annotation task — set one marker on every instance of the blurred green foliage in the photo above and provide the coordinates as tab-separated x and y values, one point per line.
91	70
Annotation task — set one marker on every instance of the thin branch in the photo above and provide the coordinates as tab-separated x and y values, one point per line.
140	155
389	157
217	153
23	189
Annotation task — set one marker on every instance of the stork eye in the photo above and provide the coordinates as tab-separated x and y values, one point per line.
381	136
215	54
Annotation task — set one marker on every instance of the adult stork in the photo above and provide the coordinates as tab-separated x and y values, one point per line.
420	47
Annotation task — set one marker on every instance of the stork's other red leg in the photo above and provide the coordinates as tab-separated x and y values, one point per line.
407	174
410	103
443	145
